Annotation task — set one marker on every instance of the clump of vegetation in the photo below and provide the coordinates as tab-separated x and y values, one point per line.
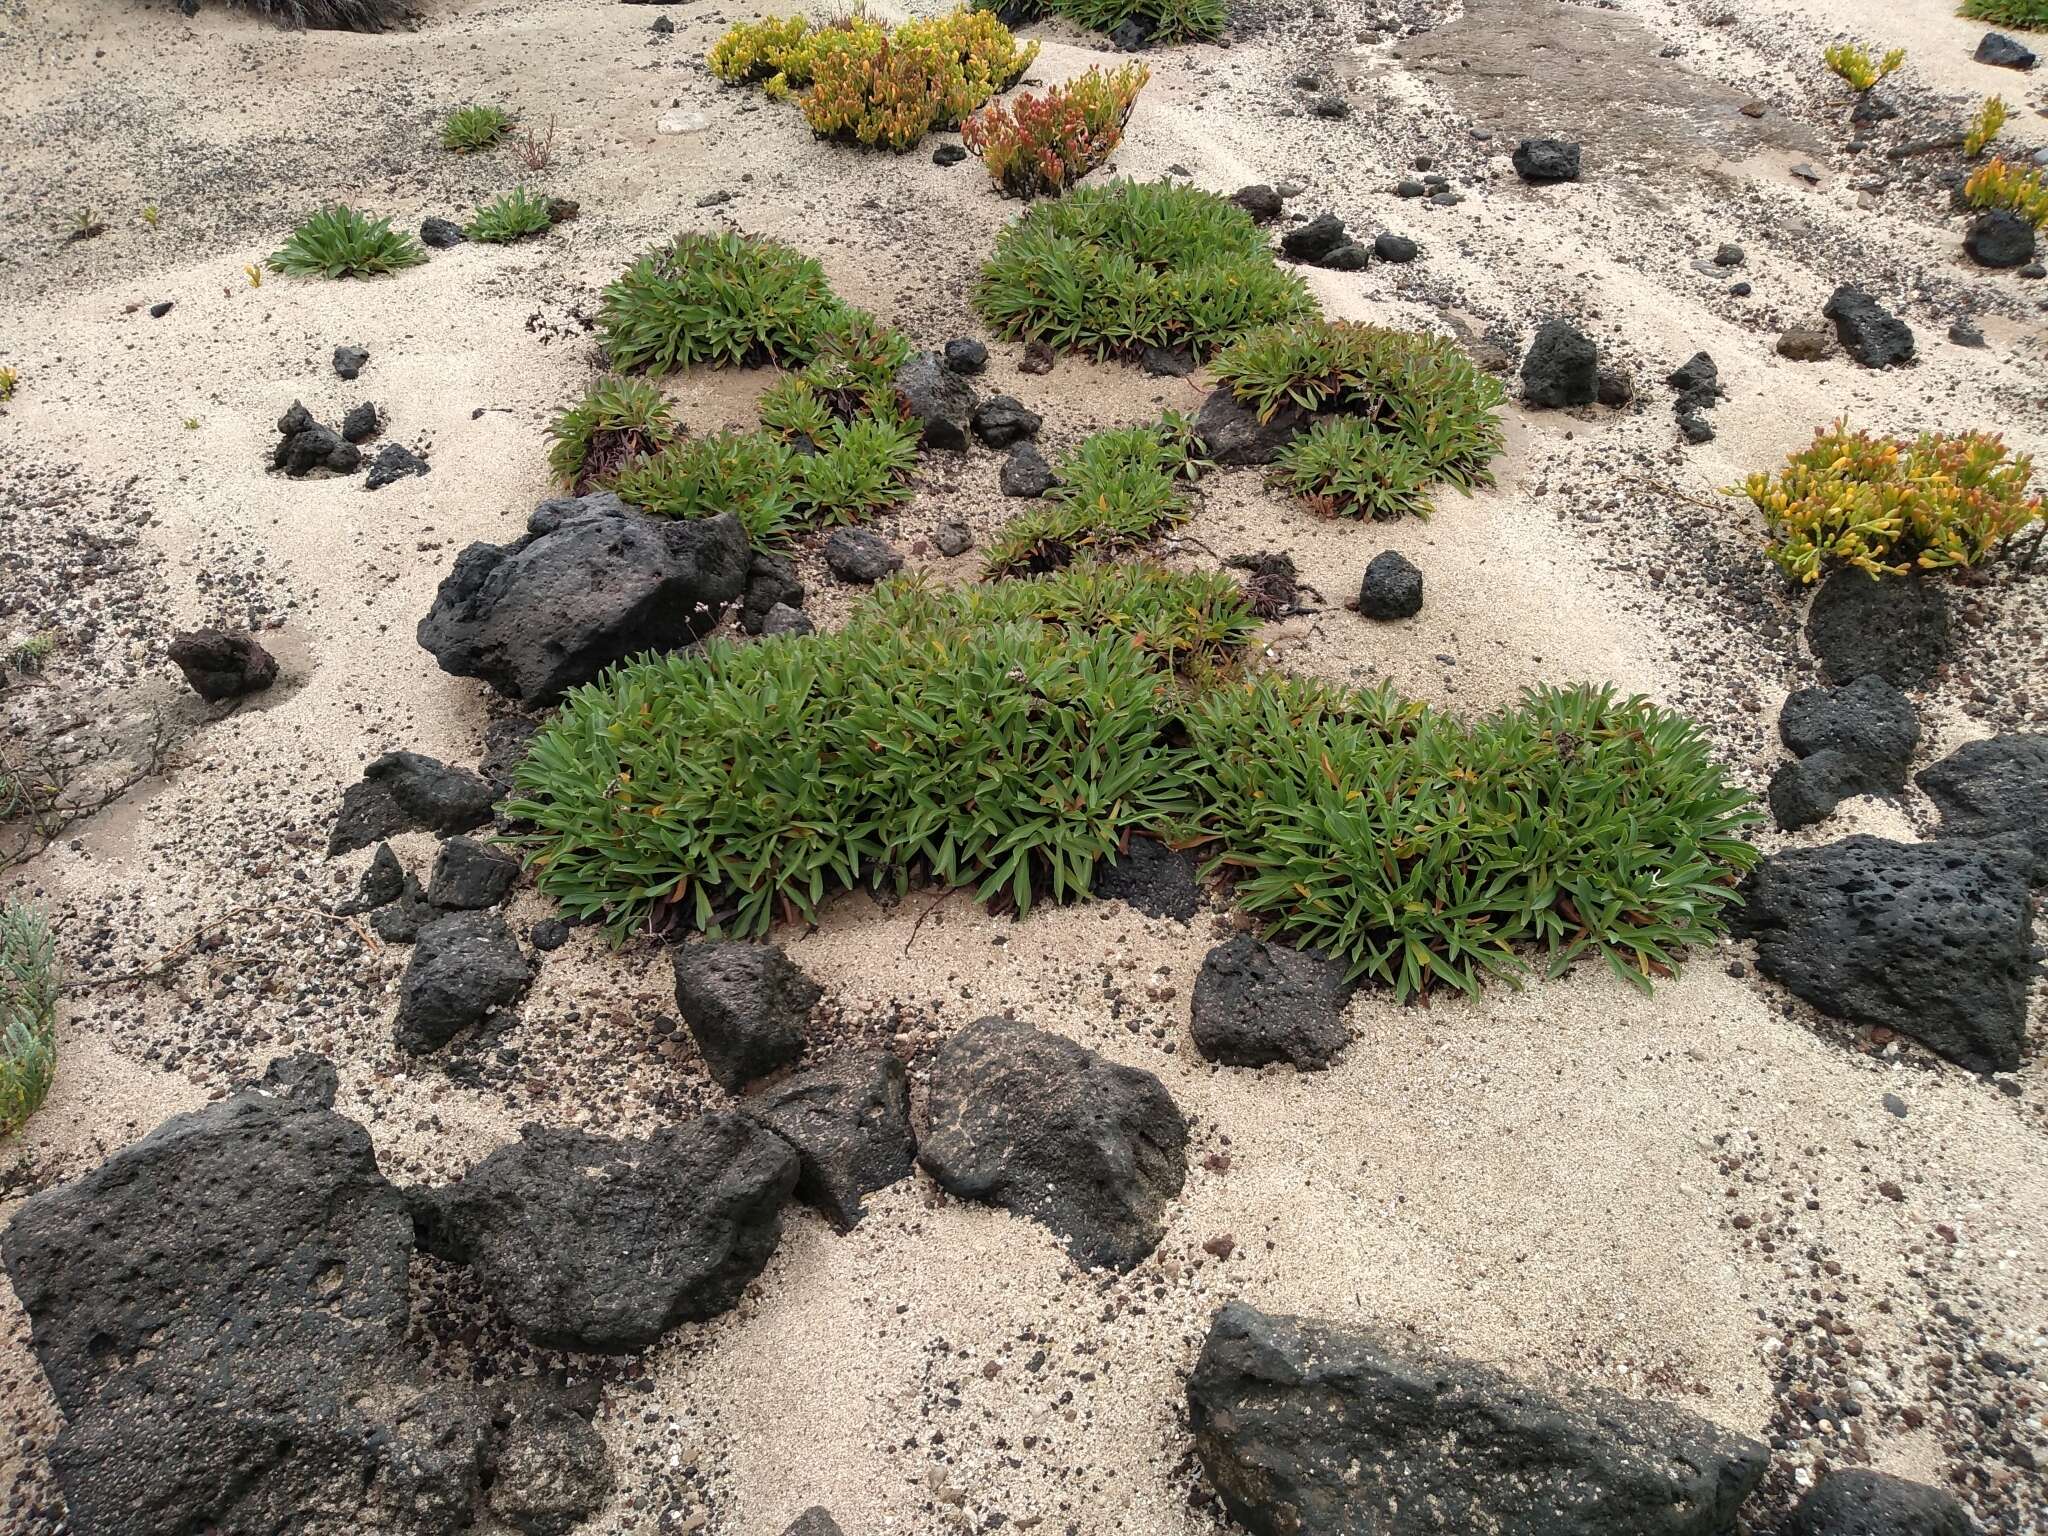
150	216
340	242
516	215
872	86
1416	388
1161	21
618	421
1346	467
1985	125
331	15
474	127
2027	15
28	1013
28	655
1038	146
1998	183
1890	506
851	372
10	380
1854	65
723	299
1009	738
1110	270
1117	491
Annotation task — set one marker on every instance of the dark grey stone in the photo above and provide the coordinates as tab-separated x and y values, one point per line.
1999	238
469	876
1348	257
382	883
1316	240
1392	588
360	424
1895	627
1855	1501
394	462
771	579
1025	472
815	1521
849	1120
965	355
407	792
1257	1002
507	740
1090	1149
1232	434
2005	52
785	620
464	967
1260	201
349	361
1996	792
1869	332
1394	248
1002	420
551	1471
440	234
1561	368
1159	881
860	556
746	1006
956	538
222	666
939	401
1541	161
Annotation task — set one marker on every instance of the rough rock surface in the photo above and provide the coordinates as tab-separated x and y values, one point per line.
1896	628
465	967
1257	1002
551	1470
849	1120
1855	1501
1930	940
1541	161
1562	367
2005	52
593	582
1999	238
1003	420
1159	881
1869	332
745	1004
860	556
1032	1121
408	792
815	1521
1232	434
394	462
304	445
771	580
220	1309
1025	472
938	399
1996	792
222	666
469	876
1309	1429
594	1244
1852	740
1392	588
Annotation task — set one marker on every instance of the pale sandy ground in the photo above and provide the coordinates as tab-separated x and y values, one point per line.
1547	1179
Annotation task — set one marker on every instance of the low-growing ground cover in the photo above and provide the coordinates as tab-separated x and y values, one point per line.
340	242
1159	21
1116	491
28	1013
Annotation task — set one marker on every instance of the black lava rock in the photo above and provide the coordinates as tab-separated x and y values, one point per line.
1002	420
1562	367
1612	387
849	1120
400	920
771	579
394	461
1896	627
1308	1428
549	934
815	1521
222	666
1855	1501
551	1471
1090	1149
956	538
1392	588
404	792
470	876
860	556
1695	427
360	424
948	154
349	361
1541	161
746	1006
785	620
1257	1002
593	582
1930	940
2005	52
1232	434
1166	362
464	968
939	401
304	445
1869	332
158	310
1025	473
1260	201
1317	239
965	355
440	234
1159	881
1995	792
2000	238
1697	381
382	883
588	1243
1348	257
507	741
1394	248
1853	740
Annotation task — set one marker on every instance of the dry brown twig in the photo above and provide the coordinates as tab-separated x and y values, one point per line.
537	153
34	809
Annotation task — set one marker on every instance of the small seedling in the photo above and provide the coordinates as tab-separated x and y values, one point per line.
1854	65
191	423
473	128
86	224
1985	125
9	378
150	217
27	656
255	275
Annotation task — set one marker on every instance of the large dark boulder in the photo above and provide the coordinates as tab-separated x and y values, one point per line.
1046	1128
1996	792
1855	1501
1309	1429
221	1312
593	582
466	966
408	792
1999	238
745	1005
1258	1002
1852	740
1869	332
1233	436
1561	368
1542	161
588	1243
1895	627
1930	940
849	1120
221	666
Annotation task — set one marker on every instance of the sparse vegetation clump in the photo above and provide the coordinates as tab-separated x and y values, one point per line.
330	15
2027	15
516	215
1890	506
340	242
1161	21
1346	467
1113	269
1857	68
869	85
1038	146
1998	183
1117	491
722	299
28	1013
616	422
474	127
1985	126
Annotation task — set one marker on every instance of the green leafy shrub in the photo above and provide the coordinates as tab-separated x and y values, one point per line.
2027	15
1889	505
1857	68
852	370
1112	269
28	1013
1117	491
516	215
1035	146
340	242
473	128
1425	851
722	299
616	422
1163	21
1998	183
1347	467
